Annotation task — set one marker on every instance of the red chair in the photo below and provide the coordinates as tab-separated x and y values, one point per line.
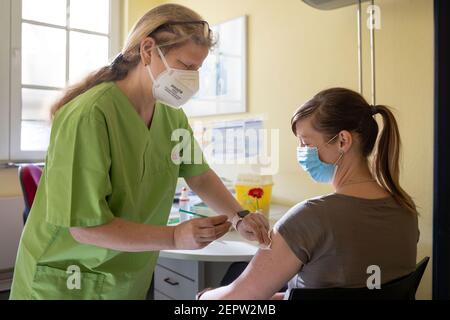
29	176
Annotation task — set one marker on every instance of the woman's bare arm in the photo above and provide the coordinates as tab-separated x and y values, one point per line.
122	235
268	271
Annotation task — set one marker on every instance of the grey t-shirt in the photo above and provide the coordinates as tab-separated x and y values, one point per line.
337	237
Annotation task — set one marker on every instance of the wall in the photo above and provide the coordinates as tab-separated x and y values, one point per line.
132	10
9	183
295	51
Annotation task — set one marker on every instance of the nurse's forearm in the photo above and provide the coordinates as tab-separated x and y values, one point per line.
122	235
213	192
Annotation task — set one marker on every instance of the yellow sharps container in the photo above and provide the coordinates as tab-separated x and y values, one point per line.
254	192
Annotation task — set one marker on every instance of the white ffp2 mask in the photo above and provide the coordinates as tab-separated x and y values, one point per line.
174	87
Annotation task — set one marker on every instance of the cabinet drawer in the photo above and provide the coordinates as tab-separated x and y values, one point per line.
174	285
188	269
159	296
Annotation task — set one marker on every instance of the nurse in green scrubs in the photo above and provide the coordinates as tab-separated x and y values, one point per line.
101	209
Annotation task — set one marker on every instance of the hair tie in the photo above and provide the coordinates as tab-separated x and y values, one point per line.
373	110
117	60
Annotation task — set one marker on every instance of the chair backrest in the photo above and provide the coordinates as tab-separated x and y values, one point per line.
29	176
233	272
403	288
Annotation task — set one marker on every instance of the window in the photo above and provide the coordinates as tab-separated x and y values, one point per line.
53	43
223	74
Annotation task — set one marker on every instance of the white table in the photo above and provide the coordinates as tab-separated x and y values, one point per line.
180	274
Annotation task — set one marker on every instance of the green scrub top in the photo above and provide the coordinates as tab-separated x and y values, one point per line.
103	162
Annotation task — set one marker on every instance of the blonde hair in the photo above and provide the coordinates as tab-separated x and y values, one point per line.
170	25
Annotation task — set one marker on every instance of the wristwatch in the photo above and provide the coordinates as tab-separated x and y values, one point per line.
238	217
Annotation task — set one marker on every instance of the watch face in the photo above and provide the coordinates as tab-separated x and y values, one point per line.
242	214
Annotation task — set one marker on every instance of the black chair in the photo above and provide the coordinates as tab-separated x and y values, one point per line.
234	271
403	288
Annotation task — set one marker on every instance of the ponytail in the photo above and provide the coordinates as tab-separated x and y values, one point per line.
385	165
117	70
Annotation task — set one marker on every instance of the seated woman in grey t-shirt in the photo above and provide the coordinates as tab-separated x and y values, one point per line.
333	240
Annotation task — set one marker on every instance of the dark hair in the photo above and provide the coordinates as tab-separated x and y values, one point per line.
338	109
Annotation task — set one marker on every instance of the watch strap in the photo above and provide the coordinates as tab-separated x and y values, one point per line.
238	217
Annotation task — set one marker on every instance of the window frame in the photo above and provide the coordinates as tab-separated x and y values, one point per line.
5	49
15	72
218	105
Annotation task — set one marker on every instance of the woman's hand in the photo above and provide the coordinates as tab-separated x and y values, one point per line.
255	227
198	296
198	233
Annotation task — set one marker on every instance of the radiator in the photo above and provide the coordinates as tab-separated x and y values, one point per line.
11	225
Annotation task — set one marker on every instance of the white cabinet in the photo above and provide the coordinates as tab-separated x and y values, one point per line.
177	279
181	280
174	285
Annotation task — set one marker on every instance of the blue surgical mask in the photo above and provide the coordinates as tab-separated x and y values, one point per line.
308	159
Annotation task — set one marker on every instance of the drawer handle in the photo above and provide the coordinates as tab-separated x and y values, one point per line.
171	282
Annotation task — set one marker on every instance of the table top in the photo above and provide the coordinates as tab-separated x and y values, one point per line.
231	247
